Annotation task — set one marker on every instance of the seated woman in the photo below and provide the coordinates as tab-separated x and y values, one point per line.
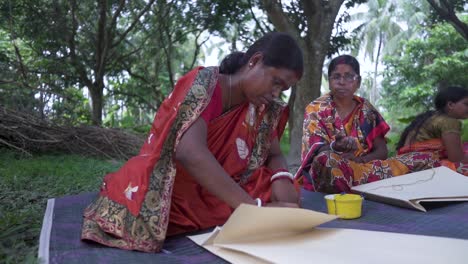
214	144
343	142
439	131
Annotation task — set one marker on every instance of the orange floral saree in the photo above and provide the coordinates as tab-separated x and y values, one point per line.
437	147
327	171
151	192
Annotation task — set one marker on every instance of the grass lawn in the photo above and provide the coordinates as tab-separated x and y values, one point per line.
27	183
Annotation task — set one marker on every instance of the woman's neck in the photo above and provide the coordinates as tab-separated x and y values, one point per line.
344	106
344	103
232	95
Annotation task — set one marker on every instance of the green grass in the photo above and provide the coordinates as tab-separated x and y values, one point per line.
27	183
465	131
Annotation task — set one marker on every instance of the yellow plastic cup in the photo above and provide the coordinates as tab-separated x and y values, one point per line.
345	206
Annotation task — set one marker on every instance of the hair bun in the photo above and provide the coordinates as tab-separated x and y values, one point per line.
231	63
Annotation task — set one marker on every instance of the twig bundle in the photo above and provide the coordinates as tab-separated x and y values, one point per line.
29	134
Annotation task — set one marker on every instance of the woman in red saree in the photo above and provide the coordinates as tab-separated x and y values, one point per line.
439	131
343	141
214	144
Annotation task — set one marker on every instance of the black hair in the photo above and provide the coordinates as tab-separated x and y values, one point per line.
279	50
442	98
344	59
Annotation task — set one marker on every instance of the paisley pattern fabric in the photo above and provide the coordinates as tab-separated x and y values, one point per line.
328	171
134	204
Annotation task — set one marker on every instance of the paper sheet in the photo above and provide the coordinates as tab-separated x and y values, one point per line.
206	241
243	239
438	184
251	223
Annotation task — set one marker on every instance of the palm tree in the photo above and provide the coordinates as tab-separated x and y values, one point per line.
378	26
412	15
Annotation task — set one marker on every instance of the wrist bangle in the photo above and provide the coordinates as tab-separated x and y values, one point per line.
282	173
279	170
282	177
331	148
259	202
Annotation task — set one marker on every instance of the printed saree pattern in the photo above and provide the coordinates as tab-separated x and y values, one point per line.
134	204
328	171
437	147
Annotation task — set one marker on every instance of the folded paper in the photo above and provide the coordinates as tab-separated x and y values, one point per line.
287	235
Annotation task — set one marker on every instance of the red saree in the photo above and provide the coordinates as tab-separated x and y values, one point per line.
133	210
327	171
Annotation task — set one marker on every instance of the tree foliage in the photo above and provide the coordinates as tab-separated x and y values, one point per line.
446	10
72	44
425	64
114	59
378	27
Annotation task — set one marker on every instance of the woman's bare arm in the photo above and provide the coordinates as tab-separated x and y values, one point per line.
379	151
282	189
453	145
192	153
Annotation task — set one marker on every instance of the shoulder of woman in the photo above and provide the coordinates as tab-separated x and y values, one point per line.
444	118
363	101
367	105
206	75
446	123
322	99
318	103
207	70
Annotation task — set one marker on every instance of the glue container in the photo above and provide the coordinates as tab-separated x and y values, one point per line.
345	206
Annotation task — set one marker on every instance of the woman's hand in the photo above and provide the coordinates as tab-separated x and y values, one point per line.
379	152
344	143
283	191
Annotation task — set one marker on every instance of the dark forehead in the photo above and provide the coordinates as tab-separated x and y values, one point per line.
284	75
343	68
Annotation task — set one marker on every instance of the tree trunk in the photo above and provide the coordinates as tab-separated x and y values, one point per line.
96	93
446	10
315	41
307	90
374	92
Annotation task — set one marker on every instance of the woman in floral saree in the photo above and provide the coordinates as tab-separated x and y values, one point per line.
344	137
214	144
439	131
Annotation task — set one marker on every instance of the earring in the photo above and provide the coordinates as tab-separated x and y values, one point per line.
250	65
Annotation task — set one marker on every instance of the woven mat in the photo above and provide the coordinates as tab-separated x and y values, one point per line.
60	236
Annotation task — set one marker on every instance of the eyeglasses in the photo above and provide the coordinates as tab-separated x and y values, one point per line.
346	77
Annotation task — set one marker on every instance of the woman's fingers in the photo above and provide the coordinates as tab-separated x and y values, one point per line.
340	136
352	143
344	144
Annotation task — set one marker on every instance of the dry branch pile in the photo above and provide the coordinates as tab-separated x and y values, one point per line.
30	134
